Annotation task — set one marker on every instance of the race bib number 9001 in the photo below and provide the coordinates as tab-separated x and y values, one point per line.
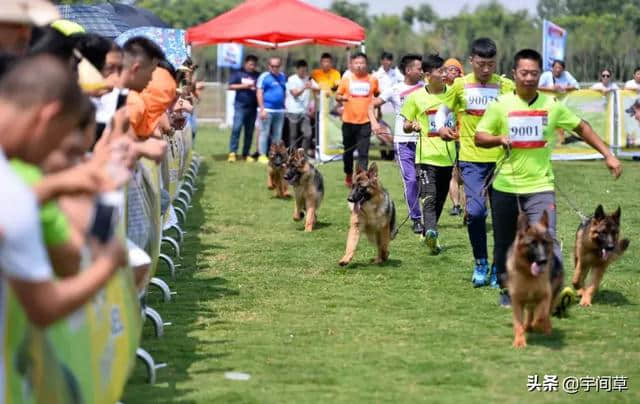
478	96
526	129
433	131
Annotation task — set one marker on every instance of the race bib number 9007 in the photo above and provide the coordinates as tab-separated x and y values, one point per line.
526	129
478	96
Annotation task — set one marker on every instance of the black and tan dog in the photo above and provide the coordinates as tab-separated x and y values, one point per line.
597	246
277	167
373	212
529	279
308	187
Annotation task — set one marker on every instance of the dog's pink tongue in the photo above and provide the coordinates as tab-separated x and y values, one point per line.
356	207
605	254
535	269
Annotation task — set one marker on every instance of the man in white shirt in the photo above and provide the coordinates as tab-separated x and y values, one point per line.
298	106
387	76
404	143
558	79
38	100
634	84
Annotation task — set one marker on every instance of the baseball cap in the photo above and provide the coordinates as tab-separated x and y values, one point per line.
32	12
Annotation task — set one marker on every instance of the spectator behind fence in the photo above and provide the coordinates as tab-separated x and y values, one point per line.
387	75
558	79
17	19
271	93
245	106
356	92
63	241
93	47
298	103
107	103
38	109
634	84
152	89
327	77
605	85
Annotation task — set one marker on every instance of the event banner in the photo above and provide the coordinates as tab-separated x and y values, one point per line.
593	107
84	358
330	128
554	43
628	139
230	55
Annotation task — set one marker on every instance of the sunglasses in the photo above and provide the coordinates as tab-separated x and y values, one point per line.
274	66
606	75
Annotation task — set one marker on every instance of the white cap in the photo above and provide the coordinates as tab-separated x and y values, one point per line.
32	12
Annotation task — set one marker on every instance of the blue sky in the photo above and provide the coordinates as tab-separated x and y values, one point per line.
442	8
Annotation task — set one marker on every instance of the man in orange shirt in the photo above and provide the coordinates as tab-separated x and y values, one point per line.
327	77
356	92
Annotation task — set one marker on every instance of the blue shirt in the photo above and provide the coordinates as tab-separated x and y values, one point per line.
274	88
245	98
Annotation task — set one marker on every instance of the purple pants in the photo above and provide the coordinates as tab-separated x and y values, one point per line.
406	157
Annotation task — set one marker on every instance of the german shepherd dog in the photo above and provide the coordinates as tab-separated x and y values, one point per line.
308	187
277	168
597	246
373	212
529	281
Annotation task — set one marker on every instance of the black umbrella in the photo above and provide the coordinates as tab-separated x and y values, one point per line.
134	16
94	19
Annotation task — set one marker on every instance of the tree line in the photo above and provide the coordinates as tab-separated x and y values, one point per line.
601	33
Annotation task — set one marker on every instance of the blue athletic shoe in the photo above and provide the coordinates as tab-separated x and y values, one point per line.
493	279
480	273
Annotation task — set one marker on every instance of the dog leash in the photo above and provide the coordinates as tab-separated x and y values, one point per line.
573	207
583	218
395	231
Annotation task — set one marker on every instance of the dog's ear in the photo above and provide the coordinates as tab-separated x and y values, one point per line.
373	171
359	169
544	220
616	215
523	222
273	148
300	152
599	214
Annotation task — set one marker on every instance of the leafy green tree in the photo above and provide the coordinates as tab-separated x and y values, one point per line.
358	12
187	13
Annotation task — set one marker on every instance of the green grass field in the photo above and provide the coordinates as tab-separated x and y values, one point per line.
258	295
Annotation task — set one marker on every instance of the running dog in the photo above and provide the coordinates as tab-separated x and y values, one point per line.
598	244
373	212
277	168
308	187
529	281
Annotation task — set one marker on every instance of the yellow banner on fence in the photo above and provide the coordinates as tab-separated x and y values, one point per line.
330	128
593	107
84	358
628	140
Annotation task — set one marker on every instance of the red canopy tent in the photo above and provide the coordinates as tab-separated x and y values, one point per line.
277	24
